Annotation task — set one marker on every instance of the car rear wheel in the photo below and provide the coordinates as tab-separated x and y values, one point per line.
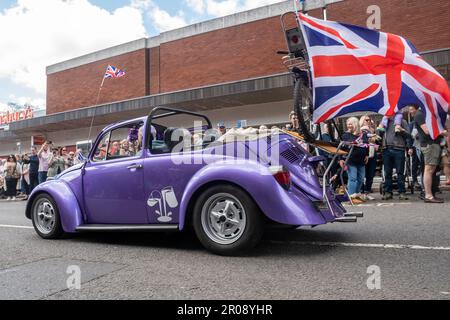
46	218
227	221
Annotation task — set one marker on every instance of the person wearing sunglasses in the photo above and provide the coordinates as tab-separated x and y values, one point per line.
368	128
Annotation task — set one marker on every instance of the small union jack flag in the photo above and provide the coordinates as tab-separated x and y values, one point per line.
356	69
113	72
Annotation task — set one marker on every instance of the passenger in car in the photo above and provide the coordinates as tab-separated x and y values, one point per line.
127	149
114	149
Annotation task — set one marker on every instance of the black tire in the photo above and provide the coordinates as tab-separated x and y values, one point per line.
249	236
304	109
56	231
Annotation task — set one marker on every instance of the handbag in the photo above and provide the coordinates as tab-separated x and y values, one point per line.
15	174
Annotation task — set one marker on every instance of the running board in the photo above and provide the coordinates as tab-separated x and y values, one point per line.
126	227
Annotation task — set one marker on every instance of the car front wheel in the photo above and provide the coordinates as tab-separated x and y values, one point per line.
46	218
227	221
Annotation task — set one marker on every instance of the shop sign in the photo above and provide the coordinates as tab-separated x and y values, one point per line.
17	115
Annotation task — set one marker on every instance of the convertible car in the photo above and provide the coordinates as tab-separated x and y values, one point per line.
141	175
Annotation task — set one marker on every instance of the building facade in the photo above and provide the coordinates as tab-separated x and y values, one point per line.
226	67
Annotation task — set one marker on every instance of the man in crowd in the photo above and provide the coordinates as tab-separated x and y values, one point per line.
395	145
431	150
414	152
70	160
34	169
78	158
293	121
44	155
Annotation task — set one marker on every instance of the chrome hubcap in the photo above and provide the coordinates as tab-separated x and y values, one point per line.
223	218
44	216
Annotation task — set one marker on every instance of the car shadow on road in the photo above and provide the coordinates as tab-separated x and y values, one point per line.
274	243
169	240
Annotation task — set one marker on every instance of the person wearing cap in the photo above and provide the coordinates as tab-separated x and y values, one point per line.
221	128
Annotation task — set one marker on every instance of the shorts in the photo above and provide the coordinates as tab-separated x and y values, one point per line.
431	154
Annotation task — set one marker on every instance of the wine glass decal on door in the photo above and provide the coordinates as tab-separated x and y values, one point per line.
167	200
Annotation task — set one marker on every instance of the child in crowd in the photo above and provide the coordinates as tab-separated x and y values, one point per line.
397	122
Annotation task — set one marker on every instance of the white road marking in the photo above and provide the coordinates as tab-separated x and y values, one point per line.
319	243
380	204
361	245
15	227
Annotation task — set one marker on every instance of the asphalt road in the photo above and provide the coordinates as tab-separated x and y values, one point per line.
408	241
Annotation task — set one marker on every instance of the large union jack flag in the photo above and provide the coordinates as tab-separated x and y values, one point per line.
357	69
113	72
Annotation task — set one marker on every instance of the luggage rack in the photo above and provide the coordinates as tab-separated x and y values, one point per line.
295	57
336	151
291	62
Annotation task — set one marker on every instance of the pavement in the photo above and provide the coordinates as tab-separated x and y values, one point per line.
399	250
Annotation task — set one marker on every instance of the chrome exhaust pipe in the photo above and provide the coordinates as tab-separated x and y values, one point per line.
346	219
354	214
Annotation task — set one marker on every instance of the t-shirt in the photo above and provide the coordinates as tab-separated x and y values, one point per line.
34	164
425	139
44	159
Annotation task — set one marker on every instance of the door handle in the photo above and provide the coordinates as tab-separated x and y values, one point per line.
135	166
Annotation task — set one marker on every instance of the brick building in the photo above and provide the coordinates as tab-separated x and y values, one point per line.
226	67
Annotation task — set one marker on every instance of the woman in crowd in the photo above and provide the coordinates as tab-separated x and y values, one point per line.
368	128
12	175
357	160
25	176
19	188
56	164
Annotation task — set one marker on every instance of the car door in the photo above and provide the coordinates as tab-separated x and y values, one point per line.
165	178
113	180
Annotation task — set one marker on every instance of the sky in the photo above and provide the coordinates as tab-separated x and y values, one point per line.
38	33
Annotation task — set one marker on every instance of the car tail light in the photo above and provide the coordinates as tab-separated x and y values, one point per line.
282	175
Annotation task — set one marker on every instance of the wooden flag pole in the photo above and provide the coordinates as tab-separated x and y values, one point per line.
96	103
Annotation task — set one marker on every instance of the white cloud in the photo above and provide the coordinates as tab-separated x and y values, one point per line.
219	8
38	103
41	33
196	5
222	8
163	21
252	4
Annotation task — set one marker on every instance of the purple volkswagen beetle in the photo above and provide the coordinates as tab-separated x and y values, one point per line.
145	175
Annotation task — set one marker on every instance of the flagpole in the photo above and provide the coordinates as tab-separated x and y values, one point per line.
295	6
297	11
96	103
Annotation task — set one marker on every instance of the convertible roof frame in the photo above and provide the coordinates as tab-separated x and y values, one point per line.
170	112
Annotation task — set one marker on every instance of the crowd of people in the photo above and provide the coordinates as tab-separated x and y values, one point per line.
385	147
20	174
393	143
